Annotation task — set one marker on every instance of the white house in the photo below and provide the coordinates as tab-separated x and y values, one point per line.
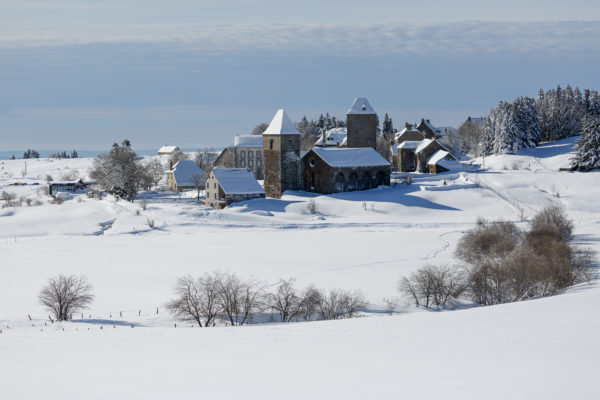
167	150
228	185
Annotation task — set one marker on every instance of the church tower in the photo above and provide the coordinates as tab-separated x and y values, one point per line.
361	124
281	151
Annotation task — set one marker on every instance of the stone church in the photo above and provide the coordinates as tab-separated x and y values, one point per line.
357	167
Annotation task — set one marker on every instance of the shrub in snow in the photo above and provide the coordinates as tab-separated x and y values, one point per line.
433	285
312	206
64	295
504	265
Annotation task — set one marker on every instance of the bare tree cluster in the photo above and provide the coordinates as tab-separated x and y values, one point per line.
433	285
65	295
206	159
234	301
504	264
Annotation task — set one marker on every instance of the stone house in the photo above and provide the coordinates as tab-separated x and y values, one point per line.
424	151
183	176
331	170
225	186
406	160
246	152
167	150
409	133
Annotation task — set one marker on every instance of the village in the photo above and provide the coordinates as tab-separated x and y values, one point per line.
341	159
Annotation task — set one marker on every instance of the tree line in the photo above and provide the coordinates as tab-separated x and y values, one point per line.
219	298
555	114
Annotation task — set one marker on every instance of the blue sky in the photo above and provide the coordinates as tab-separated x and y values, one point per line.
86	73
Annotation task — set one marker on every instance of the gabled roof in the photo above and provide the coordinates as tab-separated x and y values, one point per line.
445	159
361	106
407	130
168	149
334	137
409	144
350	157
423	145
281	125
183	172
247	141
237	181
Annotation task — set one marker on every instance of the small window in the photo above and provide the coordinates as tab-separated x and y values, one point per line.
243	162
250	154
215	185
271	144
250	163
290	145
215	195
258	154
312	162
243	154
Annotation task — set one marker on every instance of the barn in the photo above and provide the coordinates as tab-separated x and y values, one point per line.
331	170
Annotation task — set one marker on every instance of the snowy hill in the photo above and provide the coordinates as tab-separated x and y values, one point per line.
360	240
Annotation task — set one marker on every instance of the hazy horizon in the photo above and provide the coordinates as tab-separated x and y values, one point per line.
85	74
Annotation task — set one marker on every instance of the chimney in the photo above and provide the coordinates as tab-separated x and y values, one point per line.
170	165
324	137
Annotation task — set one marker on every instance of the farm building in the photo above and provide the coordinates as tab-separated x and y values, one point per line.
167	150
229	185
442	161
406	159
184	175
246	152
332	170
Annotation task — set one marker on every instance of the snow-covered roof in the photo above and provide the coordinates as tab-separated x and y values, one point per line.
248	141
445	159
405	130
168	149
334	137
281	125
350	157
409	144
184	170
423	144
237	181
361	106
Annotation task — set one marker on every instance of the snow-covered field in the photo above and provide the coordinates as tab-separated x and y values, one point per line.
362	240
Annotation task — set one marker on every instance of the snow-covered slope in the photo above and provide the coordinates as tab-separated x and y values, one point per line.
362	240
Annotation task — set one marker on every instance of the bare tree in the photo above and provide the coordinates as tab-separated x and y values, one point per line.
470	135
310	301
199	181
196	299
286	301
431	285
239	300
65	295
206	159
155	171
340	304
177	155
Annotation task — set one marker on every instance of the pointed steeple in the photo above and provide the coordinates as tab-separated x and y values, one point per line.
281	125
361	106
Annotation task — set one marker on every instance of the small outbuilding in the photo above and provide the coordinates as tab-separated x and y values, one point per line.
185	175
167	150
442	161
331	170
229	185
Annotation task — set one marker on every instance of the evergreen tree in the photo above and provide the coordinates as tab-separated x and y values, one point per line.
587	148
74	154
387	125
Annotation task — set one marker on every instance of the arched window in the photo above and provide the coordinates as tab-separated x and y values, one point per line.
271	144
